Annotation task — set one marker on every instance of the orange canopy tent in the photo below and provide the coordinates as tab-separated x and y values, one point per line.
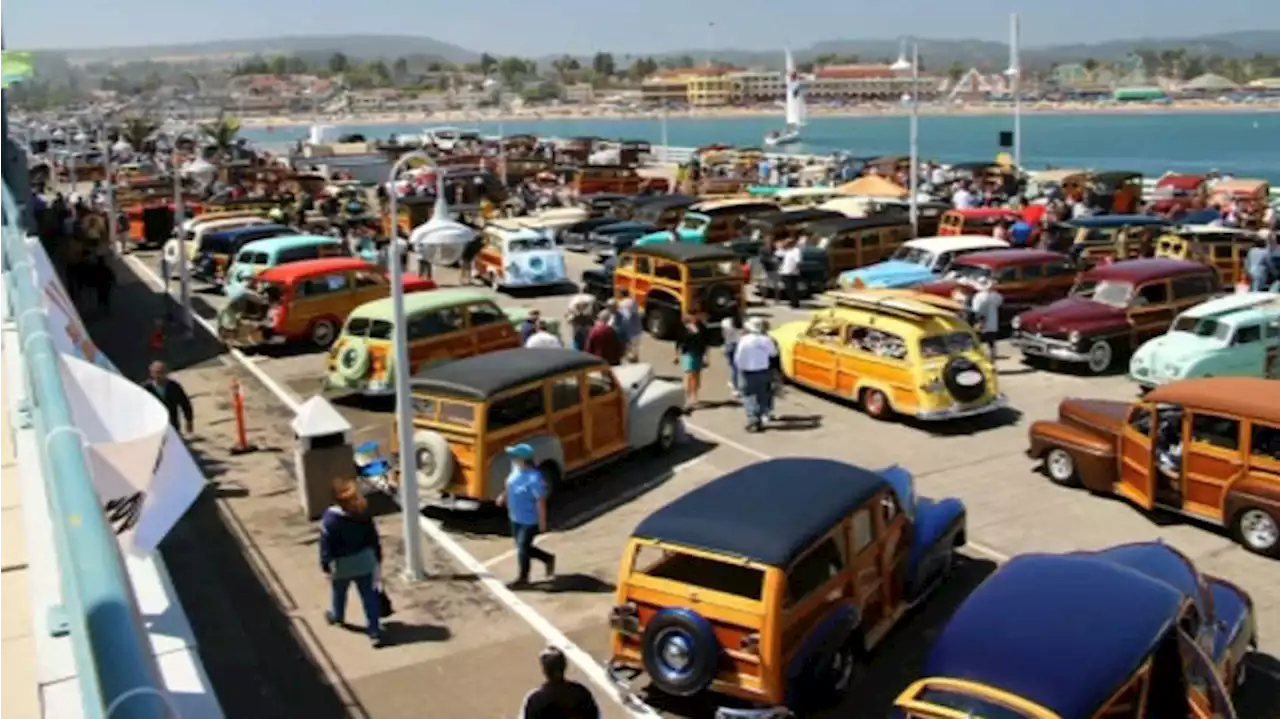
874	186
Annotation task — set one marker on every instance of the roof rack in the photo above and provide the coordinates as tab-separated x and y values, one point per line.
908	303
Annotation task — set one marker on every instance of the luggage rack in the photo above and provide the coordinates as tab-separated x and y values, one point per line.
904	303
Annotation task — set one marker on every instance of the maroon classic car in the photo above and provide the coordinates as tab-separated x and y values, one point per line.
1024	278
1112	309
1176	195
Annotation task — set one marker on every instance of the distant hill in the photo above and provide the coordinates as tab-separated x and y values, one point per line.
935	53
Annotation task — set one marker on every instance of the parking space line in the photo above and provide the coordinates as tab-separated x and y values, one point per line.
585	663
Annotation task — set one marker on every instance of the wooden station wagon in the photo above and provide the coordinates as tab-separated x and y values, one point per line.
1024	278
1129	632
575	410
975	221
1206	448
716	221
1112	310
709	602
306	301
673	280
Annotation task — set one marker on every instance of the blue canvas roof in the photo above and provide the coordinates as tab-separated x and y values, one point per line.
1063	631
768	512
1109	221
1160	561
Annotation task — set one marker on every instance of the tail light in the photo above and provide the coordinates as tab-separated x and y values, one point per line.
625	618
750	644
275	317
377	364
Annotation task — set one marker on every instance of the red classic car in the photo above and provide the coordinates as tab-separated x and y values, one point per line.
1025	278
1176	195
1112	309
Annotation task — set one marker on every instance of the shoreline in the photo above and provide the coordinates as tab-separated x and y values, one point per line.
590	113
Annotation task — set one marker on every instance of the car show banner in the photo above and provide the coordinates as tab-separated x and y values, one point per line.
142	471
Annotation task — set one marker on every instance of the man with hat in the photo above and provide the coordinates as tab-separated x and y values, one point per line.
525	498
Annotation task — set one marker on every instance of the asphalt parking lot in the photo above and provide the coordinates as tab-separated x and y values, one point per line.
1012	507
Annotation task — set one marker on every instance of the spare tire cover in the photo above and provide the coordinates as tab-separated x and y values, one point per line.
964	379
170	252
353	360
680	652
433	459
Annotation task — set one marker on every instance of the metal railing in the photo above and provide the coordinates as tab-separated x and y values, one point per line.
114	661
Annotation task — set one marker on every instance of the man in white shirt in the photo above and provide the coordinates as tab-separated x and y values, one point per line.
986	313
542	338
963	199
789	270
754	359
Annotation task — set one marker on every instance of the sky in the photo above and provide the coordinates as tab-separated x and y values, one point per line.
542	27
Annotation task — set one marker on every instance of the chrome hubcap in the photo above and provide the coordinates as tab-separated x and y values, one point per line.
1259	529
841	670
675	653
426	463
1099	357
667	433
322	333
1059	464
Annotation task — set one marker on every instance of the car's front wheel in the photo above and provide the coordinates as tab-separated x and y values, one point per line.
1258	530
668	432
1061	467
1100	357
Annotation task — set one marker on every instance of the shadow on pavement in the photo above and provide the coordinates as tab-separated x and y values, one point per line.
256	661
591	496
894	663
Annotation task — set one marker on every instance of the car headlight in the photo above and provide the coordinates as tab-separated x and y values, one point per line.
1016	322
1074	337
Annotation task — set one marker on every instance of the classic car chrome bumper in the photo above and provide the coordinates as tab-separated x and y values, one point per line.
958	410
1041	346
622	676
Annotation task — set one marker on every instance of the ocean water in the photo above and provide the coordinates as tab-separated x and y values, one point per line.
1246	144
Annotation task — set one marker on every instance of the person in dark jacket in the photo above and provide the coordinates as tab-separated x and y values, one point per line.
172	394
558	698
351	552
603	341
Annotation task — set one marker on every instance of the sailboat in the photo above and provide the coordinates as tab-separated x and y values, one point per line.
794	110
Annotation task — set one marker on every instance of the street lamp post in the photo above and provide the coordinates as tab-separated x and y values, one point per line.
665	153
413	569
179	219
1015	86
914	181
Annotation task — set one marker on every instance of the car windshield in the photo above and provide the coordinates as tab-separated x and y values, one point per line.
968	705
1107	292
692	224
1202	327
914	255
968	272
536	243
948	344
371	329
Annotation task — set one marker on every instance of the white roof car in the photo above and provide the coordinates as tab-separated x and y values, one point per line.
953	243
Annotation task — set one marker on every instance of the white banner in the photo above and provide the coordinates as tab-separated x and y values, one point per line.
141	470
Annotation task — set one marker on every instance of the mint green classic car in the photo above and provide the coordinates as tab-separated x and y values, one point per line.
1233	336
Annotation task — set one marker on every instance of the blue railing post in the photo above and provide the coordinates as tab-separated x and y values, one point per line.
114	660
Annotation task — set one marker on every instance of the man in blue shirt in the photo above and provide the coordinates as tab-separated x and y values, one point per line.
525	498
1258	262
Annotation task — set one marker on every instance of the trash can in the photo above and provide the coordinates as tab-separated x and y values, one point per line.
323	453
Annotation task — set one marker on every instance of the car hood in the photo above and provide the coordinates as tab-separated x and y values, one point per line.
1099	415
892	273
1176	348
654	238
1071	313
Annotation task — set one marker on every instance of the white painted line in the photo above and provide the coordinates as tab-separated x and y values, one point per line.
492	561
989	552
584	661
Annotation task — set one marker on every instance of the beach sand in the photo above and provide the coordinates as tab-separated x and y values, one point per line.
597	112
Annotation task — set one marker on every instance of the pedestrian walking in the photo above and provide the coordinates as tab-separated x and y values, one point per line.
603	340
530	325
580	315
525	497
630	327
558	698
754	360
986	313
789	270
691	354
1258	265
731	332
351	553
171	394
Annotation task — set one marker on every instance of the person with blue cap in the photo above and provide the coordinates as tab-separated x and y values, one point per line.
525	498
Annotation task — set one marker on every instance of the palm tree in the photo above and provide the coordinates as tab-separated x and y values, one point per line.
137	130
222	133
